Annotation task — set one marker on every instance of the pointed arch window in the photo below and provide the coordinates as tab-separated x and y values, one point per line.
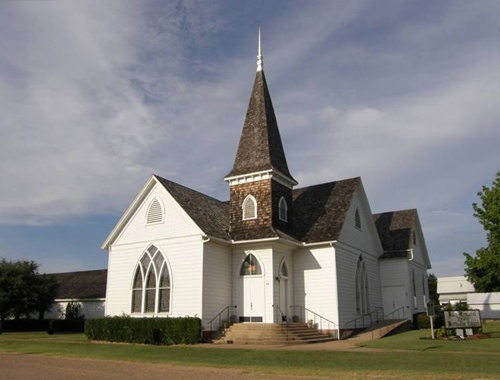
357	219
283	210
414	288
362	288
151	286
250	266
155	212
249	208
284	270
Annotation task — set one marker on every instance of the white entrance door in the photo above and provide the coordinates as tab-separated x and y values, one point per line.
252	290
283	296
283	299
253	299
395	302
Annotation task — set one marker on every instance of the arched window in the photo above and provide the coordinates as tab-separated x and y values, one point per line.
249	208
283	210
250	266
357	219
283	270
362	288
155	212
151	286
414	287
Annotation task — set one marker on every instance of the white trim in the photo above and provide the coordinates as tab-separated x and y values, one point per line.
259	176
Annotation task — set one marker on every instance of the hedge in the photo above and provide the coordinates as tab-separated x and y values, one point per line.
164	331
25	325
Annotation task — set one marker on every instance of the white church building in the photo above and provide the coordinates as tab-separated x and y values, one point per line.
273	252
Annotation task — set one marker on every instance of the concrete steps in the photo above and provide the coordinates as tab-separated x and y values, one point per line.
272	334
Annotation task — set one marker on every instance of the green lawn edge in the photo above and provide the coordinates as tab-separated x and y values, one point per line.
404	355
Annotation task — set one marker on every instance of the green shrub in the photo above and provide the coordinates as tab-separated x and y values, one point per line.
423	321
25	325
67	325
162	331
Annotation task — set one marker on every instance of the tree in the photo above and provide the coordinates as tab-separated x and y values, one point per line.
483	270
23	290
433	294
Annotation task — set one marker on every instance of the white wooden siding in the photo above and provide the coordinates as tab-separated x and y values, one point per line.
217	281
315	282
396	286
184	257
346	261
365	239
176	221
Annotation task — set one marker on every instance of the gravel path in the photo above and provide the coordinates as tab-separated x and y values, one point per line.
35	367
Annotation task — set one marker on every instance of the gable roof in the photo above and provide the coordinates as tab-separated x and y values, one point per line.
260	147
209	214
320	210
82	285
395	229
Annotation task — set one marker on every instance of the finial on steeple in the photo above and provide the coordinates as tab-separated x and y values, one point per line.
259	56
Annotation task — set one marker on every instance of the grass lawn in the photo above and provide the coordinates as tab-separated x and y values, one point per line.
405	356
420	340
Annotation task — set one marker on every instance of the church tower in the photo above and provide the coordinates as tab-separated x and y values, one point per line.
260	183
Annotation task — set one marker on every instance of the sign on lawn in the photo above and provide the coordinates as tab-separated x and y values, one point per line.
462	319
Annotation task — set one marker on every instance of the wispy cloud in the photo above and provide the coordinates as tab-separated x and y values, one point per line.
96	96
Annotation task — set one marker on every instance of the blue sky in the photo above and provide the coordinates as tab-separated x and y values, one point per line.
95	96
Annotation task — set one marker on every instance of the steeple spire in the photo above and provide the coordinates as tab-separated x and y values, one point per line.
259	56
260	148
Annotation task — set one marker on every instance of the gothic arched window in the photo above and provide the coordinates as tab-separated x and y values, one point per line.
151	286
362	288
250	266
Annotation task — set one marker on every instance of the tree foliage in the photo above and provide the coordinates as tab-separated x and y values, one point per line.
483	270
23	290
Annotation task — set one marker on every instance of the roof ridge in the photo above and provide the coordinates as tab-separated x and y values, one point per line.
162	179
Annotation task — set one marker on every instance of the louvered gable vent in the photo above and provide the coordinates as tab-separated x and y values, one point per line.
155	212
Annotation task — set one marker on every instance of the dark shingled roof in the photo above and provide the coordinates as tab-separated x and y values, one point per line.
210	214
82	285
395	229
260	147
320	210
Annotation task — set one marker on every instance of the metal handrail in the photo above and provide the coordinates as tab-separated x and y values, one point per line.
221	321
317	321
280	316
362	317
401	309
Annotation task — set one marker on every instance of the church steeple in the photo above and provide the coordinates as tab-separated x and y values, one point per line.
260	181
260	148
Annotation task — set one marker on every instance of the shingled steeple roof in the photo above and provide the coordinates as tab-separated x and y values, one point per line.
260	147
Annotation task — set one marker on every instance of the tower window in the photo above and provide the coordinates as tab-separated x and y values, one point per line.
249	208
155	212
283	210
